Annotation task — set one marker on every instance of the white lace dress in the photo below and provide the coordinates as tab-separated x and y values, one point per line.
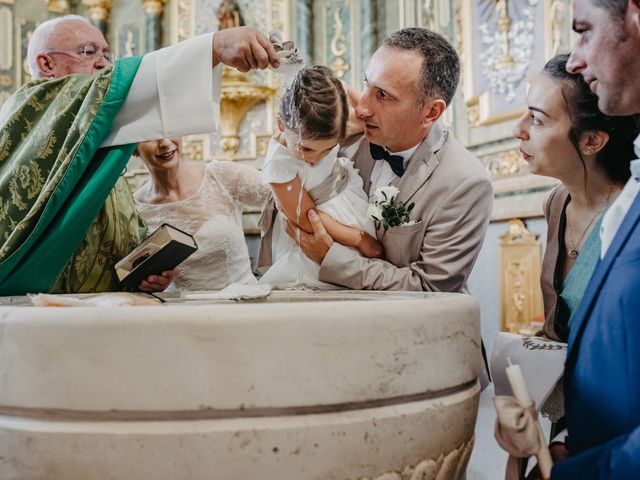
213	215
290	267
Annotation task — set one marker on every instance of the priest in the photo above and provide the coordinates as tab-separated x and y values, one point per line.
66	213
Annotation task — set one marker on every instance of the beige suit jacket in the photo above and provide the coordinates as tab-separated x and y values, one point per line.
453	200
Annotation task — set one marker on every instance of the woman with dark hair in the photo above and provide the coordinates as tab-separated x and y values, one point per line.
564	135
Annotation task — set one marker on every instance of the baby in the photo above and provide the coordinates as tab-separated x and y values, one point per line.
304	170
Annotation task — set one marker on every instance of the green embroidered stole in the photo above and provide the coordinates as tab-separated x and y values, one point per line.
55	180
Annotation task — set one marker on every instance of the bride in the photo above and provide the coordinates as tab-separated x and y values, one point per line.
205	200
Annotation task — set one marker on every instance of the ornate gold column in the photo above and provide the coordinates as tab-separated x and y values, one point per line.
520	293
238	93
153	10
58	7
99	11
239	96
504	23
7	75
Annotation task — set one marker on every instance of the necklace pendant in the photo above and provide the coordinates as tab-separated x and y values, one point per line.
573	253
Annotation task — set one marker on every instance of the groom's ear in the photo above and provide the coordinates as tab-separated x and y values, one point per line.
432	111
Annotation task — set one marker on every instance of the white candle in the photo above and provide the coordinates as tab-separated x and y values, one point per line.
519	388
518	385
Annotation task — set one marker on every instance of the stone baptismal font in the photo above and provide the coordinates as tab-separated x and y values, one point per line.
300	385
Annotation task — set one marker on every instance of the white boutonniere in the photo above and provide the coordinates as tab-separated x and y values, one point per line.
387	211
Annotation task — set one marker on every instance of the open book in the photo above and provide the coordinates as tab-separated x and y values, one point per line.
163	250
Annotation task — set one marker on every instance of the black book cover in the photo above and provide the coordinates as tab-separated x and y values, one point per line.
159	252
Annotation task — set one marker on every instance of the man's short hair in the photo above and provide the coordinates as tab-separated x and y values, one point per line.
440	66
41	37
617	8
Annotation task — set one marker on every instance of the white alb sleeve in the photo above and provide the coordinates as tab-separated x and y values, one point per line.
175	92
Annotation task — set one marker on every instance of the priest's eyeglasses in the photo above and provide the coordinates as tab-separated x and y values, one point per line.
86	53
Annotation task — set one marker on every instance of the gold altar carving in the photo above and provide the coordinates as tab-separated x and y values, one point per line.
229	15
183	22
193	147
338	47
98	9
555	13
6	43
521	309
57	6
506	164
239	96
153	7
504	23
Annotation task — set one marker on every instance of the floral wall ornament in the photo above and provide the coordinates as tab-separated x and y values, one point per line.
507	44
506	164
556	26
338	47
183	20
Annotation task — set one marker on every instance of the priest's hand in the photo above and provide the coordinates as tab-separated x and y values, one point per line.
314	245
243	48
158	283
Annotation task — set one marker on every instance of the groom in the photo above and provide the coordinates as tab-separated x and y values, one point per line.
410	81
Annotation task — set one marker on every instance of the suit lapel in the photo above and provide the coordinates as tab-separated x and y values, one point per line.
420	167
421	164
364	163
627	227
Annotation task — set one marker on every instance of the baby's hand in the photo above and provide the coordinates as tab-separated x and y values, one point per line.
369	246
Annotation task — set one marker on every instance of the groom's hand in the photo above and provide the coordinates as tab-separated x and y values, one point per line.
243	48
314	245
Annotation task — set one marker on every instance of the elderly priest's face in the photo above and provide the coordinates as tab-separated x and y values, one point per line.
74	46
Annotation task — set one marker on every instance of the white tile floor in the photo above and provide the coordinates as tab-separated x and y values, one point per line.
488	460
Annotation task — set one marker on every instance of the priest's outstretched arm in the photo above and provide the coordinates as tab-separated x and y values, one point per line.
176	90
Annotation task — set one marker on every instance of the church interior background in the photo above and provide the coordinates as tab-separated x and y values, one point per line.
501	43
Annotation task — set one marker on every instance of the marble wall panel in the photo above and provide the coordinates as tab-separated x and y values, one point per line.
129	41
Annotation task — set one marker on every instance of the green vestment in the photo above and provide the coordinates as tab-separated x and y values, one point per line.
66	215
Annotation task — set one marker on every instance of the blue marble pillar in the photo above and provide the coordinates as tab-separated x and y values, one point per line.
99	13
369	29
153	24
304	29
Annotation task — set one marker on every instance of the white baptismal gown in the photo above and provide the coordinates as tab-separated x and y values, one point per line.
290	267
213	215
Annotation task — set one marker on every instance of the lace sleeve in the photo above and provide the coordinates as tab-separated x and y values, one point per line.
243	183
